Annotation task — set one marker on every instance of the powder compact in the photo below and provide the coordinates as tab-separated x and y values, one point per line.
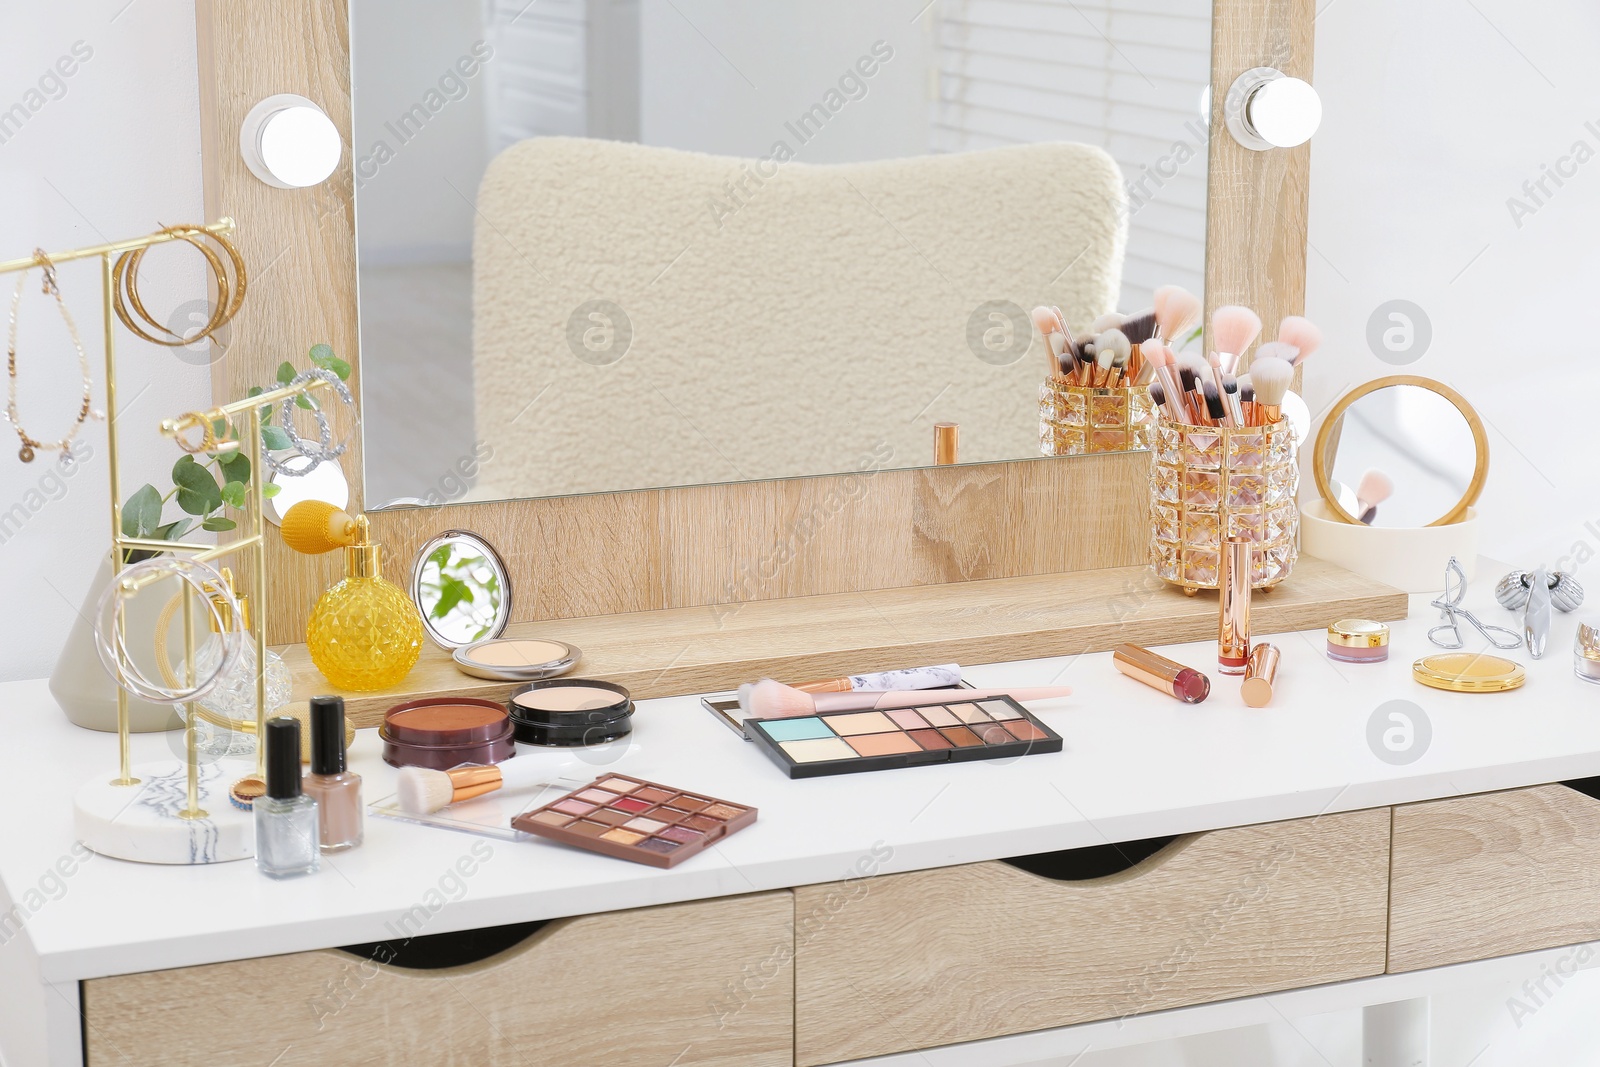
633	819
516	659
1358	641
848	741
566	712
1468	672
444	732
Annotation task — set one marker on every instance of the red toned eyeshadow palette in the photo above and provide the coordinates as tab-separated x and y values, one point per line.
633	819
950	731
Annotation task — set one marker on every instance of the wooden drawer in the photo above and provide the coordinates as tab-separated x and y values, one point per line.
1493	874
706	983
912	961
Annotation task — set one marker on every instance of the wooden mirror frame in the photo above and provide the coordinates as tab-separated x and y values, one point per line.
1328	440
640	550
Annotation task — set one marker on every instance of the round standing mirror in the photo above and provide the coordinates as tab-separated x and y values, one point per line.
1401	452
460	585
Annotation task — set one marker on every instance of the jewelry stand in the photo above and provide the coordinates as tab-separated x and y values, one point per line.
171	811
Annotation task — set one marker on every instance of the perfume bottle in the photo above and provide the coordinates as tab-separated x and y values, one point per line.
364	633
287	835
336	790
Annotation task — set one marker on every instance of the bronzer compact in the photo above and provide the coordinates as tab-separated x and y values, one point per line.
444	732
567	712
516	659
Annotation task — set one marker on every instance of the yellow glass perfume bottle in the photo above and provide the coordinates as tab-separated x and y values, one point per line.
364	633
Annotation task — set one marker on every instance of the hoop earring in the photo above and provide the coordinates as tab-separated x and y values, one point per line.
324	450
230	294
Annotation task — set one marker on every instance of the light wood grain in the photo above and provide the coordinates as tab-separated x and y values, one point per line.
1493	874
710	648
705	984
299	244
631	552
1258	201
912	961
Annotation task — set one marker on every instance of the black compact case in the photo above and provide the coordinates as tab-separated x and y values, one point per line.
557	728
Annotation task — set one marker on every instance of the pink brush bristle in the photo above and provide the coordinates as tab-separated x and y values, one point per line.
1177	311
1302	333
1233	330
1044	320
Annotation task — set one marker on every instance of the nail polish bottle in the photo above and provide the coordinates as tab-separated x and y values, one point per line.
286	819
336	790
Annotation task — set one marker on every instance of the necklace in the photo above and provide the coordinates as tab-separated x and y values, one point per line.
29	445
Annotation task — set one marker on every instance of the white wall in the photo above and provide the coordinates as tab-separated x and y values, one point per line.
1408	201
117	155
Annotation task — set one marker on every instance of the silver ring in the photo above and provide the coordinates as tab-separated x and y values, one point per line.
1565	592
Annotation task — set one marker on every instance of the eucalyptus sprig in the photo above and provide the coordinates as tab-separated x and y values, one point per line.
204	489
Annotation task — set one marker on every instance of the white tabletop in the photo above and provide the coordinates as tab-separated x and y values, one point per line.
1136	764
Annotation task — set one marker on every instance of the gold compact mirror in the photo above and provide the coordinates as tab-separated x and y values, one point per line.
1400	453
461	587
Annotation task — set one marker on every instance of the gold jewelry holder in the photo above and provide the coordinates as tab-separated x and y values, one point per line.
252	542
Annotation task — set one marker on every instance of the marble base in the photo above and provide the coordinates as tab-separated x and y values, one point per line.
141	822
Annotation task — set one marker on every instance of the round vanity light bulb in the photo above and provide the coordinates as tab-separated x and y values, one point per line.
289	142
1285	112
325	482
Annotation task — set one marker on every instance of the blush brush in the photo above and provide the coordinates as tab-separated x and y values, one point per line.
1234	328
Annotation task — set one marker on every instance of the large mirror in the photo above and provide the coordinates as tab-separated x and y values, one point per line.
1401	452
622	244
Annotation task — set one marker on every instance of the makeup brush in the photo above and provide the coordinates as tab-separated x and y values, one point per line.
1108	348
1247	399
1234	328
1271	377
1215	411
424	791
1279	350
1194	372
1375	488
1141	327
1302	333
1177	310
1049	325
1109	321
768	699
1230	399
1119	368
945	674
316	526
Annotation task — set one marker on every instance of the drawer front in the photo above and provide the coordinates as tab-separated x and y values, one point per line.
706	983
1493	874
912	961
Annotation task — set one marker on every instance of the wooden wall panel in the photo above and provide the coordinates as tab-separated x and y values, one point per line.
625	552
1256	217
299	244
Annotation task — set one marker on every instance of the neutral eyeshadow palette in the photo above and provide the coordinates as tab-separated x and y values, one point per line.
633	819
844	742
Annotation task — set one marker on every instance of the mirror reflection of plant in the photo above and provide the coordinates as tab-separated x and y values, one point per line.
222	480
461	591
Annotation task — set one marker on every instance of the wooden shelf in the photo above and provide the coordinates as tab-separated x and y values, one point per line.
705	649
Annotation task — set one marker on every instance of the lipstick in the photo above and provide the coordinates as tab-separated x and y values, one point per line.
1233	606
1159	672
1259	676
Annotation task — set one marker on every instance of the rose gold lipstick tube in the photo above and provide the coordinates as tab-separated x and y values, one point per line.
1233	607
1159	672
1256	689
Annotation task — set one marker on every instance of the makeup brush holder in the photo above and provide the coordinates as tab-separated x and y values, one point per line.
1209	483
1079	420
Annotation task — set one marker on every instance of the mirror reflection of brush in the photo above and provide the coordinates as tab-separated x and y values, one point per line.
1375	488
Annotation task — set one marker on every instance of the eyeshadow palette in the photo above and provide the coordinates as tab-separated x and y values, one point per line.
633	819
848	741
